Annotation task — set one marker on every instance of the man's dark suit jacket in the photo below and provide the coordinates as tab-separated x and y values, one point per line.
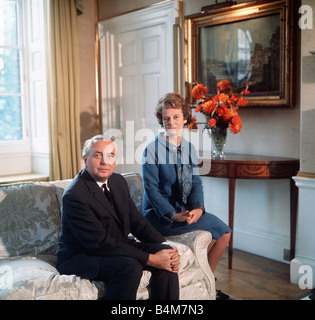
91	230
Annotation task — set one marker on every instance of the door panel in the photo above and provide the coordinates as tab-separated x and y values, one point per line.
137	69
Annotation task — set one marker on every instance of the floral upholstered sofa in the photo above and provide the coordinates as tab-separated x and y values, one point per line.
29	229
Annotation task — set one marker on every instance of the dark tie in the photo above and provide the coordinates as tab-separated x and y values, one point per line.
108	194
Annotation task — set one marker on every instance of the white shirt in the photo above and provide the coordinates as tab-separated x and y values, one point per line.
100	184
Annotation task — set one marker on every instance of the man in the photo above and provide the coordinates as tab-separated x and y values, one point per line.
94	241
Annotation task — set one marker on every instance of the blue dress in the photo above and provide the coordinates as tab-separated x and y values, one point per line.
172	184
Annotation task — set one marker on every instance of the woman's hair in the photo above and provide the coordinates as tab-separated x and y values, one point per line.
175	101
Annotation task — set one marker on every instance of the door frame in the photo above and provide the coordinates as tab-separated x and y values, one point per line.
169	12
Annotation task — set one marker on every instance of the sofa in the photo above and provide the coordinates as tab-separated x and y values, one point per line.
29	229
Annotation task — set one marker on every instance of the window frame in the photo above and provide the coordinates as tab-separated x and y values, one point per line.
29	154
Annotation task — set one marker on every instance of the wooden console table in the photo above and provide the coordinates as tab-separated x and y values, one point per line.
241	166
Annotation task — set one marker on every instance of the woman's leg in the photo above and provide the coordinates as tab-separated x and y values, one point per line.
216	249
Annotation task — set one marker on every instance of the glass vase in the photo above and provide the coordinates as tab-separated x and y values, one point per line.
218	138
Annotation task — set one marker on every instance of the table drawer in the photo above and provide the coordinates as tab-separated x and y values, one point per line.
219	170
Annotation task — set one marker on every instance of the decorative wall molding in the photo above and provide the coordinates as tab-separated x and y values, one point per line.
305	180
305	253
309	175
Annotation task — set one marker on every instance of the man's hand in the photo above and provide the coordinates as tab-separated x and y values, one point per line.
167	259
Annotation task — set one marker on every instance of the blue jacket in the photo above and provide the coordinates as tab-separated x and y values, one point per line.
162	194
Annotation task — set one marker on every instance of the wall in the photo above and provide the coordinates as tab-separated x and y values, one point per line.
266	132
307	96
303	266
261	207
87	23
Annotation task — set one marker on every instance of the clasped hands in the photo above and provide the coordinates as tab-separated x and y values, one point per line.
189	216
167	259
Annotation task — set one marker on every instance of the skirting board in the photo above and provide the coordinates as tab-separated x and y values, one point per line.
261	244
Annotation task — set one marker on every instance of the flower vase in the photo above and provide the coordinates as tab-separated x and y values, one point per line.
218	138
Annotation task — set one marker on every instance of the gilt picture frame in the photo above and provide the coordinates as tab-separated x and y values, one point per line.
244	43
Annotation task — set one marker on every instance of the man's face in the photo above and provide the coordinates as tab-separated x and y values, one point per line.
101	161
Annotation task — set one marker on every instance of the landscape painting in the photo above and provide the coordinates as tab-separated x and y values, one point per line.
243	51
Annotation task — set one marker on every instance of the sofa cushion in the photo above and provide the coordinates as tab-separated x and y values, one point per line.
30	223
133	180
36	278
30	219
60	186
135	185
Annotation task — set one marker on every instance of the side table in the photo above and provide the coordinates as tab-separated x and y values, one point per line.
242	166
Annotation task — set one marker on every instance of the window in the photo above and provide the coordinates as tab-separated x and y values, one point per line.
23	98
11	55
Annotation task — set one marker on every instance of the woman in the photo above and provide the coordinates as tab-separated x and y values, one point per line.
173	195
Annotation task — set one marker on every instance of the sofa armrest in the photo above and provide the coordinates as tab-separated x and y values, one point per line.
198	241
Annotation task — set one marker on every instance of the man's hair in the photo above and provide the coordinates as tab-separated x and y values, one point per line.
88	143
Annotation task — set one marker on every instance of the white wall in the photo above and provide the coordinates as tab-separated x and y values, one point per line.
305	249
308	95
262	208
262	212
261	217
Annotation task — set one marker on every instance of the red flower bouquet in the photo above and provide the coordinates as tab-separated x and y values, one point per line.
221	110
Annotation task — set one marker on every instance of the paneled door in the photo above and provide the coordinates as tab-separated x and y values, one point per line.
136	69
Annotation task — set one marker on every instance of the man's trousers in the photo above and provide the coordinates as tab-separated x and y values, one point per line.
122	276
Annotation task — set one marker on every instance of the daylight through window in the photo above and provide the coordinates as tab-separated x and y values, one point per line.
11	112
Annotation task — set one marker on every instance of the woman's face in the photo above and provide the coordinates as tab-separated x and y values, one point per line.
173	121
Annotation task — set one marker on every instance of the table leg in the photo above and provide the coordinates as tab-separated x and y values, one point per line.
293	216
231	217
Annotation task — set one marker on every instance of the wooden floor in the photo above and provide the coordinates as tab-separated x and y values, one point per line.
256	278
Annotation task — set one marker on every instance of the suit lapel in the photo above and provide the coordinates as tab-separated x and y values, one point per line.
98	194
119	198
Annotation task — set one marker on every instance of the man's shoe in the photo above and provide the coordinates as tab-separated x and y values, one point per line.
222	296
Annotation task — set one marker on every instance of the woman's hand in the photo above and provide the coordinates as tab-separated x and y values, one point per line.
194	216
189	216
183	216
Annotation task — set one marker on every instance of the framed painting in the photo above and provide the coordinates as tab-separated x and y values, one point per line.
250	42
